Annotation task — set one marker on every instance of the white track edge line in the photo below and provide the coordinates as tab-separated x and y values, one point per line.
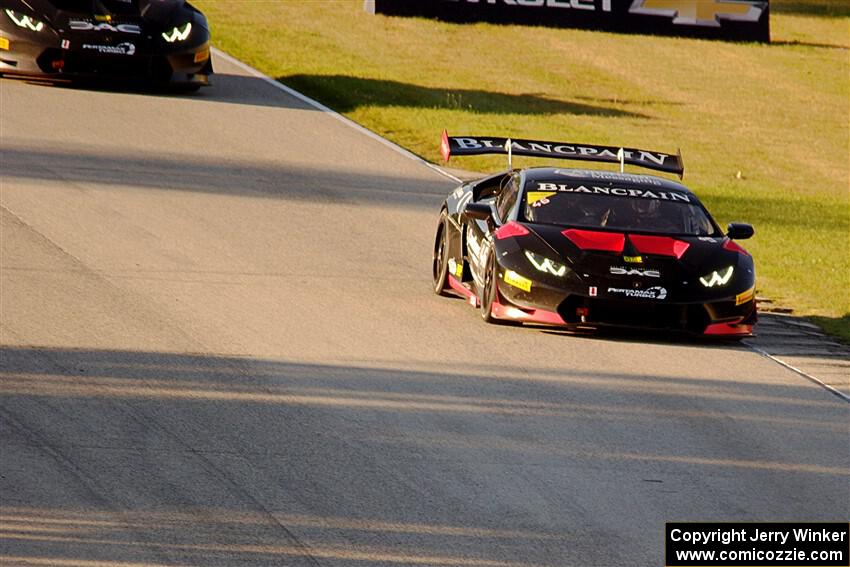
333	113
818	381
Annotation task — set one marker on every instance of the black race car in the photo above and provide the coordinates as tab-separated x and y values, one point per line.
581	247
159	41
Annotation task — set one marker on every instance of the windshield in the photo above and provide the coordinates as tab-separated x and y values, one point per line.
637	210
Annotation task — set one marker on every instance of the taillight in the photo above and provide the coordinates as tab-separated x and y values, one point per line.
509	230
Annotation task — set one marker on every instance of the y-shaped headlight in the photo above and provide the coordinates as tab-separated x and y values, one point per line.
544	264
717	277
179	33
24	21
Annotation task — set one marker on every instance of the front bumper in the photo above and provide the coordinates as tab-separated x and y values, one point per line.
71	57
545	303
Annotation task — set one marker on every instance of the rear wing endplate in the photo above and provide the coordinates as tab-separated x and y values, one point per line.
478	145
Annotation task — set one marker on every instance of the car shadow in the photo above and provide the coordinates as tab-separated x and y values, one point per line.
642	336
225	88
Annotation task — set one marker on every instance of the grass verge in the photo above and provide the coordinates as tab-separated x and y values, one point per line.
763	128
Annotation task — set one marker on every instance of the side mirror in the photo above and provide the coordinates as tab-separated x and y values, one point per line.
479	211
739	231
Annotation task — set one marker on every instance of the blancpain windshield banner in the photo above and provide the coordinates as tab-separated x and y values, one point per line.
737	20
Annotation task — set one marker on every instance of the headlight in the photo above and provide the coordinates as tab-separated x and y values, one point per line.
179	33
544	264
717	277
24	21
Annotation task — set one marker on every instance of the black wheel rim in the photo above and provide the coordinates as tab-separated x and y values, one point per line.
439	267
487	296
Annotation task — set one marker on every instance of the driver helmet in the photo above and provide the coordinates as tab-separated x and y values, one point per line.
646	207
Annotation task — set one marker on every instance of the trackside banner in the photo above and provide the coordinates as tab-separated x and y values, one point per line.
736	20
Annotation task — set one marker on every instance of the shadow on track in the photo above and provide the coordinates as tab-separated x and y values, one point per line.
216	176
226	88
148	456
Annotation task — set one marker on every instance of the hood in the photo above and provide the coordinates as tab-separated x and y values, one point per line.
636	258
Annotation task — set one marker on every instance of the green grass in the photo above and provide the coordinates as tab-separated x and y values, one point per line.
763	128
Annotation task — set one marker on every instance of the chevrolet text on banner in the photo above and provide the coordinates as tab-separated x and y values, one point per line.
738	20
743	544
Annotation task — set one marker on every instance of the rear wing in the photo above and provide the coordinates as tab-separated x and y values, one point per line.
477	145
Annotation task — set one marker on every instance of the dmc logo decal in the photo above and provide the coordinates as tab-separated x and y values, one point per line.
700	12
617	271
80	25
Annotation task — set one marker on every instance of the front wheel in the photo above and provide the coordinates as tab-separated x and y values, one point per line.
440	261
490	290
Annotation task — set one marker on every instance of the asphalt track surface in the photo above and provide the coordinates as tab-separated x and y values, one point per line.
220	347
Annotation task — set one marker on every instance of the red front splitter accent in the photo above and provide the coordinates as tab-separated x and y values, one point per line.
509	313
462	290
728	329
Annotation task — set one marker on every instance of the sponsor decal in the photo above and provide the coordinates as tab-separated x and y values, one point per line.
618	271
633	259
571	172
616	191
535	197
570	150
745	296
592	291
82	25
66	44
707	239
609	176
655	292
516	280
455	267
700	12
120	49
4	43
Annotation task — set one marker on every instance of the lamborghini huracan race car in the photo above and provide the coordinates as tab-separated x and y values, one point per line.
580	247
158	41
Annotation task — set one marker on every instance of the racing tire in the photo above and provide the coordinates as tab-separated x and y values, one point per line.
440	261
490	291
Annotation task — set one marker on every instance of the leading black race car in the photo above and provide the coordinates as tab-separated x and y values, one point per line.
579	247
158	41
